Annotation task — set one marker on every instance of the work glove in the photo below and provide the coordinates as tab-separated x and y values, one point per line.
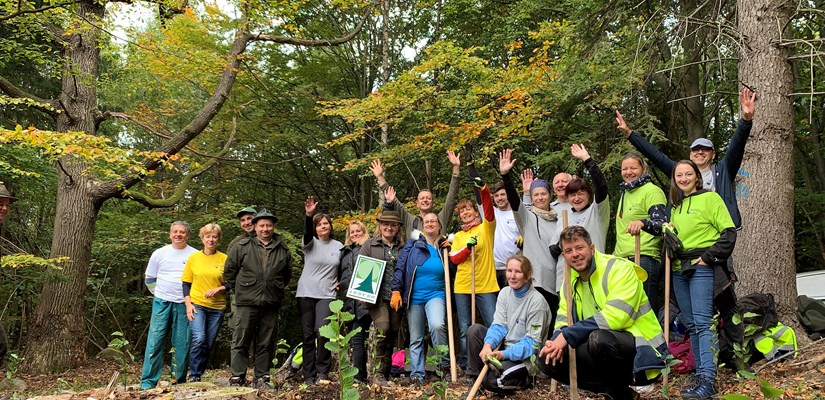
472	242
672	245
468	153
477	182
494	363
520	242
555	250
395	301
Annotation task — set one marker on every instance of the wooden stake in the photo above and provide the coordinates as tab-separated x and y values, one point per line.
473	296
478	381
638	258
568	297
667	308
450	334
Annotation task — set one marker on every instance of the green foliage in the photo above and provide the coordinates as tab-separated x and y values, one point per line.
16	261
339	344
280	349
13	362
120	345
670	362
440	386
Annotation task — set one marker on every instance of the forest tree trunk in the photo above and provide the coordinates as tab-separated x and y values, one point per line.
765	247
57	331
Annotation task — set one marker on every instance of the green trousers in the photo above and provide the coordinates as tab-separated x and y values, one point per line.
167	317
255	326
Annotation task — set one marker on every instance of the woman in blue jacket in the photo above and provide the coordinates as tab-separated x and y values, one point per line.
419	278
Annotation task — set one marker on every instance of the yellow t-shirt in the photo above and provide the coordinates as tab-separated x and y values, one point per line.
205	273
485	264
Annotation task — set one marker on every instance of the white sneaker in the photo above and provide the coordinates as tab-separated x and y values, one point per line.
644	389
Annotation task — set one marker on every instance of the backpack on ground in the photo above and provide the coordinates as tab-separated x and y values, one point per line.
758	309
811	313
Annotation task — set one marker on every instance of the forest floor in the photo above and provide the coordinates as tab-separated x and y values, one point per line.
799	378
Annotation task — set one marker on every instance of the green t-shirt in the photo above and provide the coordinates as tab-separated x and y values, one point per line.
700	219
633	206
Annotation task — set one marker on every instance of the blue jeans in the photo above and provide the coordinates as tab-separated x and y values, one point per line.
695	297
486	304
435	313
204	330
653	285
167	317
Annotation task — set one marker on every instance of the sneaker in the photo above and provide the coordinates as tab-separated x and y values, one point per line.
194	378
416	381
236	381
704	390
309	381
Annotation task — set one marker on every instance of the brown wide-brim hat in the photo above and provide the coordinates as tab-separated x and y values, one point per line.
390	216
4	193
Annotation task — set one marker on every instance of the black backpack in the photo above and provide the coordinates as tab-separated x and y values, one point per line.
811	315
761	304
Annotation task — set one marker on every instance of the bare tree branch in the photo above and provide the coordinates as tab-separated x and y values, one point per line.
20	12
312	42
184	184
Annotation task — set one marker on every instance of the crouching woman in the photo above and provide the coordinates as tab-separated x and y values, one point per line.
519	326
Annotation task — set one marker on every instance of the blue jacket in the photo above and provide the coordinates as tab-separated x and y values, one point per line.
414	254
724	171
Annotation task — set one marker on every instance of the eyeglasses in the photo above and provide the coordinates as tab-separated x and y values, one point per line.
702	149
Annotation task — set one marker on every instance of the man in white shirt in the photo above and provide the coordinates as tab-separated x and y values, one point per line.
507	233
163	279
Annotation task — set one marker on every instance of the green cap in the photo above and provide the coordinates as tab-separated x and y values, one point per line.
246	210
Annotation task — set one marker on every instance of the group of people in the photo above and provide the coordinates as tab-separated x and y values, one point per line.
504	265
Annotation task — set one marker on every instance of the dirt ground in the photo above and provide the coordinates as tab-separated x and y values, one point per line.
799	378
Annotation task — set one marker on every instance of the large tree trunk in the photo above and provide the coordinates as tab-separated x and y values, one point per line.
765	247
57	332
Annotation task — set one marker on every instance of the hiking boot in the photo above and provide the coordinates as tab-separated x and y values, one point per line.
262	384
236	381
322	379
416	381
381	380
194	378
703	390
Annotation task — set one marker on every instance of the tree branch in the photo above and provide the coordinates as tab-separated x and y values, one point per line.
183	186
14	92
313	42
37	10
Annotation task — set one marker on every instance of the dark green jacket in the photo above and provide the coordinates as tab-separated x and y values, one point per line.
253	283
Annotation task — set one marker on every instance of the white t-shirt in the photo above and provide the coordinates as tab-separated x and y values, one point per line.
166	264
506	234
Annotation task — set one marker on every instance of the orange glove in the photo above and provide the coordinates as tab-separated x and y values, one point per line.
395	301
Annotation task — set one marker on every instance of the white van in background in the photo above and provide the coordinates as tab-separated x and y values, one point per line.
811	284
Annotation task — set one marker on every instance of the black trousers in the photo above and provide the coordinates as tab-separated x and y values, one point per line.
359	344
552	301
314	313
604	364
514	375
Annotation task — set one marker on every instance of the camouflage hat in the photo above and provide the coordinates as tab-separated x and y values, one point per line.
246	210
264	213
4	193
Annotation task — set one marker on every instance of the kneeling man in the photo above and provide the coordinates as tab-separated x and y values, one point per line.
616	335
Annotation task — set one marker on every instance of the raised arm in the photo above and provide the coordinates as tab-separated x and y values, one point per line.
449	202
378	172
599	181
659	159
505	164
736	149
309	230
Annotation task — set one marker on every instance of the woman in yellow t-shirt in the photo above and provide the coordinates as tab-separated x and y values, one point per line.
476	235
205	298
